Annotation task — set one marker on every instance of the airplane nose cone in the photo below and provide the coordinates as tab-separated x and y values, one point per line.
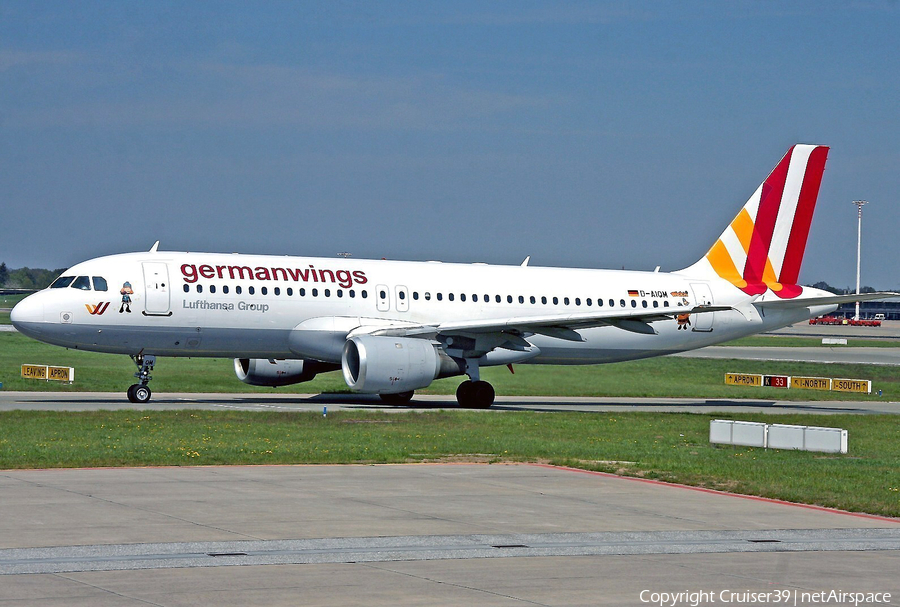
28	315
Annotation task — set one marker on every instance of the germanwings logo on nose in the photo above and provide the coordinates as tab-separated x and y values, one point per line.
97	310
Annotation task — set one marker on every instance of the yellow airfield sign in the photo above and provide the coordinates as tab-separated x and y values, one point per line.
863	386
743	379
852	385
48	373
34	371
811	383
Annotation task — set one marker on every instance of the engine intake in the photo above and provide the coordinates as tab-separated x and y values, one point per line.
390	365
278	372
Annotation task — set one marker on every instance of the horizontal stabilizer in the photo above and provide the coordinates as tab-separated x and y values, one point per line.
804	302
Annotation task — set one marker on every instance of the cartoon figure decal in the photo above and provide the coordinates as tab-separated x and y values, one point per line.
684	321
126	292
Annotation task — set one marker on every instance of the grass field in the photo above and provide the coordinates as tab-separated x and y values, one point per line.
791	341
671	447
657	377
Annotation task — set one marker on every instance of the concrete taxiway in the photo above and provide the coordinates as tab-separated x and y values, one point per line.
443	534
98	401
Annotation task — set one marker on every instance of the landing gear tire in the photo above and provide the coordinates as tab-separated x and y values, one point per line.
475	395
401	398
139	394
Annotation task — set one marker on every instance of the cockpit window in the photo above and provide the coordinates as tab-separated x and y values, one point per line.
62	282
99	283
83	283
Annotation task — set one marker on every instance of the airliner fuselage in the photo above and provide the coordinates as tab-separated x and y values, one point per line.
249	306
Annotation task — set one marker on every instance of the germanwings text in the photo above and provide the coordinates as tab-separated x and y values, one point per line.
345	278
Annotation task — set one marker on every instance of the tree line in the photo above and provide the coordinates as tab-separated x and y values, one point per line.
27	278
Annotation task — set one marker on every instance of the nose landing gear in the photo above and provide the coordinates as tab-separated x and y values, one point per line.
140	392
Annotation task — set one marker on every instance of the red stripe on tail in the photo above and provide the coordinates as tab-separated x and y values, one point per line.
809	192
769	203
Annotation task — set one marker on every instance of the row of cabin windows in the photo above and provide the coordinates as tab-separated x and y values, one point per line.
80	282
289	291
532	299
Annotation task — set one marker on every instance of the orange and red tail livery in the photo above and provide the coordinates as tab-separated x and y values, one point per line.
763	246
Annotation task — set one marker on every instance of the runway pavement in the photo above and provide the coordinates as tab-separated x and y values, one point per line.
452	534
94	401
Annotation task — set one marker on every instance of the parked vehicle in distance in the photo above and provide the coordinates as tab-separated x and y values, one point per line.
836	320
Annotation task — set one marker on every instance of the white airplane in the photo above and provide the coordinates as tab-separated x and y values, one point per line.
394	327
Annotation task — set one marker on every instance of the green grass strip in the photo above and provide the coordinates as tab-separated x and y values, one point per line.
655	377
668	446
791	341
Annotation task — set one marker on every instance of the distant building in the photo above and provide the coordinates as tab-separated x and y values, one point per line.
868	309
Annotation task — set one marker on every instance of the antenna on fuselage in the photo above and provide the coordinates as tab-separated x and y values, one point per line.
154	247
527	259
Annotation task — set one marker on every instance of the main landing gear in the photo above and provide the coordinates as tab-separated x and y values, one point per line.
140	392
474	393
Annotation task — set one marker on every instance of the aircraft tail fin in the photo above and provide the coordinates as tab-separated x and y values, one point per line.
763	247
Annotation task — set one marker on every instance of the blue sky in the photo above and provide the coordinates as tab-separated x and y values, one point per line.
591	134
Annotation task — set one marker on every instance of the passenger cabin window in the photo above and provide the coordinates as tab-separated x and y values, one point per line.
83	283
62	282
99	283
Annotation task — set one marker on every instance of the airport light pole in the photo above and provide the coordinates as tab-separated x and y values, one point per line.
859	205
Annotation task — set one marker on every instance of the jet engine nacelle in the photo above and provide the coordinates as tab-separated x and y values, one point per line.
391	365
278	372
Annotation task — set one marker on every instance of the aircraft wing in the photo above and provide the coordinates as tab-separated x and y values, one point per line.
562	326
